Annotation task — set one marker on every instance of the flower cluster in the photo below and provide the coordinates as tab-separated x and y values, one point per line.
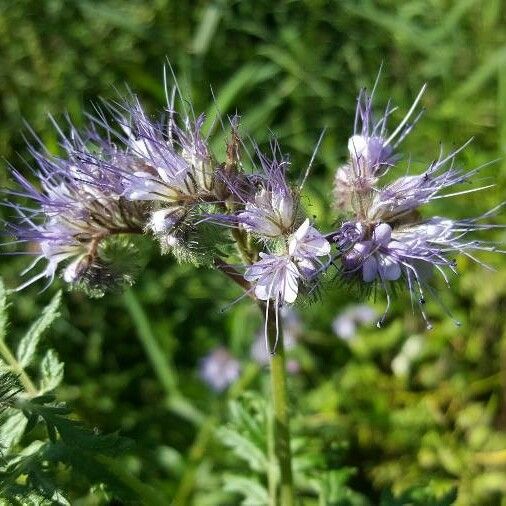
384	238
132	174
80	204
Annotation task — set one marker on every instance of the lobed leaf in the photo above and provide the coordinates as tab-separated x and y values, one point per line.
253	491
51	370
28	344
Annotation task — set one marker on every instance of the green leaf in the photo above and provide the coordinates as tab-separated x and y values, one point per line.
254	493
28	345
244	448
12	428
51	370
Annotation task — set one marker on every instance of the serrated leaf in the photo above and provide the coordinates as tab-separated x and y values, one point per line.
28	345
51	370
244	448
247	423
12	428
254	493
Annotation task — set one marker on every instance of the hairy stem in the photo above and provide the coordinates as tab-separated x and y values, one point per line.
241	242
234	275
281	428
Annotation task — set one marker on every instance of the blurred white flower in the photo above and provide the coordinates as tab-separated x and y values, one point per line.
347	322
219	369
410	351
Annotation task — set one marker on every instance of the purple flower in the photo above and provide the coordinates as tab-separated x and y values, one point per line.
276	276
169	165
384	239
267	206
412	252
219	369
398	199
371	151
375	258
79	204
306	245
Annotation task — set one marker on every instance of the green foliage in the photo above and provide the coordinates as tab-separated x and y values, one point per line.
27	346
247	434
30	459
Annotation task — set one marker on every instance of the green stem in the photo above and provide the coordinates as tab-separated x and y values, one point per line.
162	366
241	242
272	472
15	366
281	428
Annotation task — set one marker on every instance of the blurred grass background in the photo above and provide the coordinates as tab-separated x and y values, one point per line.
290	68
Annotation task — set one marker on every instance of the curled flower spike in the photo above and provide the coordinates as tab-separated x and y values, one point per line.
79	205
385	240
371	152
167	163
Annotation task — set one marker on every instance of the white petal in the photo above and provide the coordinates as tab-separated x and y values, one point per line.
262	292
357	146
290	286
302	230
382	234
285	209
308	242
318	244
388	268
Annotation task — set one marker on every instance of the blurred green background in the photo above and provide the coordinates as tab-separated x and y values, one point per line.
430	432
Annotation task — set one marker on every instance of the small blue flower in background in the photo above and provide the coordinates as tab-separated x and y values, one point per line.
219	369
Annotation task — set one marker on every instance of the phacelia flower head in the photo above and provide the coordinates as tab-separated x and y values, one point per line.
385	240
276	278
270	208
168	164
79	204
